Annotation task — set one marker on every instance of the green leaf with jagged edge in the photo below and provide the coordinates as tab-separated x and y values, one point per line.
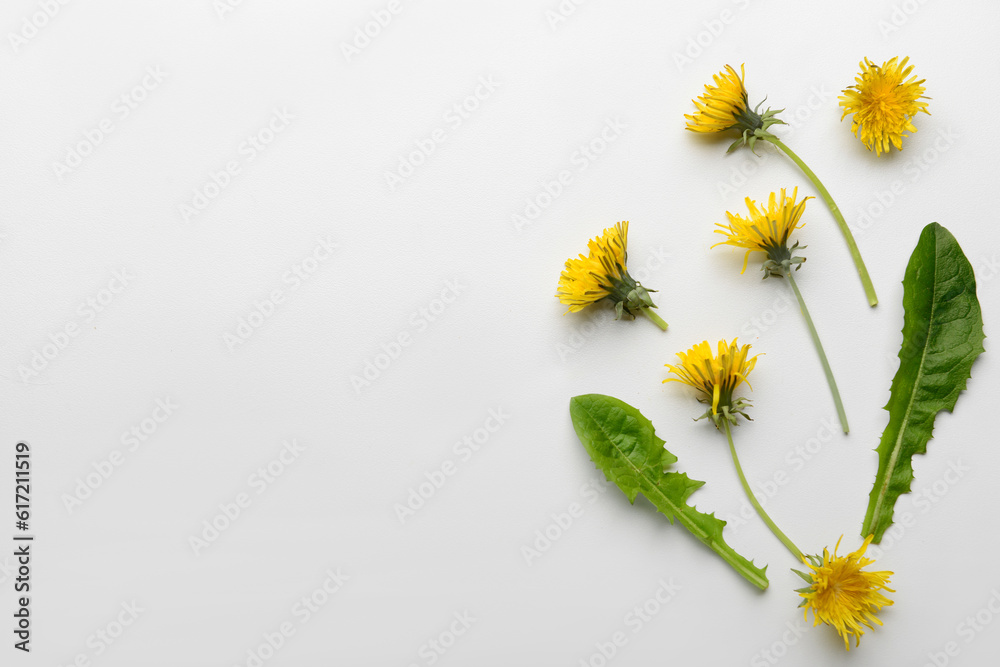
942	336
623	445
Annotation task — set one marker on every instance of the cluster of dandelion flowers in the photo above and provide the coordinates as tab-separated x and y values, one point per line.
841	594
716	376
724	106
603	274
767	229
883	102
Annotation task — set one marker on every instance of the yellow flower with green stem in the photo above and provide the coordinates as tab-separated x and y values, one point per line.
716	376
725	106
840	593
603	274
768	230
883	102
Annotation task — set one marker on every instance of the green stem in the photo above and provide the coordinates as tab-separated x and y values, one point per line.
656	318
866	280
841	414
753	499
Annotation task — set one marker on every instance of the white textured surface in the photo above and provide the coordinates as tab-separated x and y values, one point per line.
502	344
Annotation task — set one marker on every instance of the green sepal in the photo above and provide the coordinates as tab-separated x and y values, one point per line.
752	125
728	412
629	296
780	259
805	578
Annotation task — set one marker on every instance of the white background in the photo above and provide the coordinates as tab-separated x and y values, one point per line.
502	344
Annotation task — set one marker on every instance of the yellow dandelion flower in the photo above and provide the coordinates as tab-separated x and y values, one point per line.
722	104
842	595
884	101
589	279
715	376
767	229
603	274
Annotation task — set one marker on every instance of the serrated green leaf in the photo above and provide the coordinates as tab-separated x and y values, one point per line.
623	445
942	336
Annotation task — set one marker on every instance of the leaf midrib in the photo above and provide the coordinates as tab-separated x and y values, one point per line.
894	456
745	568
694	528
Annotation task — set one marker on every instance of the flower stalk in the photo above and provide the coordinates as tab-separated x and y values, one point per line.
839	591
753	499
852	245
657	320
725	107
768	230
841	414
